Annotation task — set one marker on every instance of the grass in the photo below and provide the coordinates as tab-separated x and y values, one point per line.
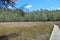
28	30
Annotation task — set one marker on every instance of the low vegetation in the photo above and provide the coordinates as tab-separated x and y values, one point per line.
26	30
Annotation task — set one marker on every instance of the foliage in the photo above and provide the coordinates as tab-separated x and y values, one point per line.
6	3
8	15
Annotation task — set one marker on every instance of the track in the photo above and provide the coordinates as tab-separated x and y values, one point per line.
55	33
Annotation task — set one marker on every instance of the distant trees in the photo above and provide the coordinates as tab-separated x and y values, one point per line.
45	15
38	15
19	14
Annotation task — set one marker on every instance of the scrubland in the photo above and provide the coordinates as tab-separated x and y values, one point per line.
26	30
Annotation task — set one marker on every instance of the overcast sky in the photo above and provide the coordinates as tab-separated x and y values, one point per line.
39	4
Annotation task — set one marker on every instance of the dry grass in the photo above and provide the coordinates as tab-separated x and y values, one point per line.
28	30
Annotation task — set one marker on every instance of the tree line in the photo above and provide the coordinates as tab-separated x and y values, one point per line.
19	15
8	15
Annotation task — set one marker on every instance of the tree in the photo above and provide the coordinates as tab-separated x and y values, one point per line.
6	3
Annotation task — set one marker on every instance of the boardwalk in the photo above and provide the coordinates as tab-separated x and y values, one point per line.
55	33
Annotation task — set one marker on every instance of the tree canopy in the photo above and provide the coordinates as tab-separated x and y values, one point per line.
6	3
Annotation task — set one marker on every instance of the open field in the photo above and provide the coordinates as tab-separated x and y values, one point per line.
26	30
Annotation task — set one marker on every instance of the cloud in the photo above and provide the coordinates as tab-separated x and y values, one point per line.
57	9
9	7
28	6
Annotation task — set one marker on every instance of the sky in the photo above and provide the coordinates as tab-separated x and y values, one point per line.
39	4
